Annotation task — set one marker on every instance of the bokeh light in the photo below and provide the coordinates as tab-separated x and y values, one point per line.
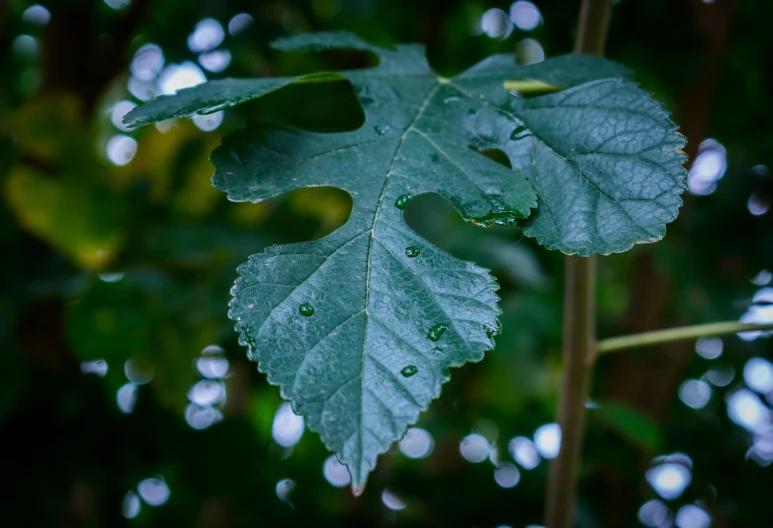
758	375
695	393
525	15
417	443
392	501
747	410
287	428
215	61
709	347
707	168
692	516
131	505
758	204
655	514
720	377
284	489
524	452
335	473
207	35
529	51
148	62
207	392
496	23
97	366
474	448
547	440
135	373
126	397
121	149
111	277
36	14
118	4
25	46
670	475
178	76
202	416
762	278
154	491
212	363
239	23
208	122
507	475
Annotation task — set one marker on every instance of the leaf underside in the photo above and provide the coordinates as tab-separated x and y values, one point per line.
359	329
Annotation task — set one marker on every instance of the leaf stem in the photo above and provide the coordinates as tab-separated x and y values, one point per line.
579	346
676	334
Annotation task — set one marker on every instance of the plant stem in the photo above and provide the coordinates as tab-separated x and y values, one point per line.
676	334
579	346
579	354
592	27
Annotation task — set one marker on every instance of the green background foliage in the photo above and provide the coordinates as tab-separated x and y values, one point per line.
132	265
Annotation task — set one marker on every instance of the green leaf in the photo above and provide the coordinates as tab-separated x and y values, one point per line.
360	328
640	430
604	157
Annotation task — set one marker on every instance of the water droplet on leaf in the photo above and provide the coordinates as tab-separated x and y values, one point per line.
412	251
449	100
495	329
381	130
500	214
519	132
306	309
402	201
437	331
409	371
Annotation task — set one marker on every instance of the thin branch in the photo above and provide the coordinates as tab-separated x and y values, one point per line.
579	346
677	334
579	357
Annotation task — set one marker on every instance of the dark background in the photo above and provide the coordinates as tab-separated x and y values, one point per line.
128	267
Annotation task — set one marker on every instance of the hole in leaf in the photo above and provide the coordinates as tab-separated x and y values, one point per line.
301	215
497	155
315	107
303	62
436	220
530	88
504	250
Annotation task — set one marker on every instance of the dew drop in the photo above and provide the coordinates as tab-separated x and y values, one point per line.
247	328
381	130
402	201
449	100
412	251
409	371
496	329
437	331
437	351
519	132
306	309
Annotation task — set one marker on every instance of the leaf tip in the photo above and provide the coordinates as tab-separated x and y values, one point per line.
358	488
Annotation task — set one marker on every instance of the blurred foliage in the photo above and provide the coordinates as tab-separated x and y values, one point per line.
108	262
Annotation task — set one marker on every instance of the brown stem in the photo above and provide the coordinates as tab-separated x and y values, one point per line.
579	346
579	357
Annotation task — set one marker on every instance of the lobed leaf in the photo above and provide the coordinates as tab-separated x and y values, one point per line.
359	329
